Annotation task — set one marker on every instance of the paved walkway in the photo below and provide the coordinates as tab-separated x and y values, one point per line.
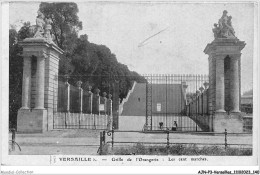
79	142
86	142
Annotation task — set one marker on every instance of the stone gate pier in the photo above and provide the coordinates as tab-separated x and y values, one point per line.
40	85
225	77
40	79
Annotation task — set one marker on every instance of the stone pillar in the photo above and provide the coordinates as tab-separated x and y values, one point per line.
67	95
220	84
201	100
234	84
224	79
96	102
26	82
39	119
206	96
91	99
109	105
80	97
39	101
104	101
185	91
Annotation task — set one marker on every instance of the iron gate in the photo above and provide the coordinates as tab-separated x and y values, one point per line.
86	102
177	102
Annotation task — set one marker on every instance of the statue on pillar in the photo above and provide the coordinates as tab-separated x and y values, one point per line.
47	29
216	30
224	28
43	27
39	25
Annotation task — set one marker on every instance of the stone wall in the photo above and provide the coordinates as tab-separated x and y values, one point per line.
51	81
232	122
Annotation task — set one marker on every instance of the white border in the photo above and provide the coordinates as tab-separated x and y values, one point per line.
44	160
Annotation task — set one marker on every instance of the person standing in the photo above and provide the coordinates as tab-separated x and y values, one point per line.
175	125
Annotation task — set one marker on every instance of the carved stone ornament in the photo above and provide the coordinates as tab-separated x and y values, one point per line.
42	29
224	28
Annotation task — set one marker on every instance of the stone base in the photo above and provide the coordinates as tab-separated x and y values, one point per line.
232	122
32	121
50	119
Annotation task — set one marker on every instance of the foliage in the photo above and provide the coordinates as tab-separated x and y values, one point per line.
249	92
24	32
65	24
15	76
93	64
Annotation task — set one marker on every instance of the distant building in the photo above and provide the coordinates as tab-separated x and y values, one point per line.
168	99
247	104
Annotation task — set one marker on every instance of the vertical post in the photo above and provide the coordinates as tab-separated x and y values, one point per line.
13	139
104	137
151	121
115	104
109	108
39	103
234	84
189	109
195	109
198	102
104	100
101	144
166	103
220	84
98	104
196	80
26	82
113	137
206	85
89	102
168	141
225	139
68	99
201	98
79	83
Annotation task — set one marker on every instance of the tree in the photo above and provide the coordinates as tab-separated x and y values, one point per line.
99	67
15	76
24	32
249	92
65	29
65	24
93	64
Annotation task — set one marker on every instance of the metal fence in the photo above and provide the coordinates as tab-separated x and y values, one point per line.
179	102
81	104
90	102
106	135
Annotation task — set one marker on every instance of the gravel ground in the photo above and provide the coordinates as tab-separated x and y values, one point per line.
86	142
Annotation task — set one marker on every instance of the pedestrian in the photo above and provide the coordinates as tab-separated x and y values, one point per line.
175	125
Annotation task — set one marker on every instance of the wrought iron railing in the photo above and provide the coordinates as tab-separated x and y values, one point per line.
112	142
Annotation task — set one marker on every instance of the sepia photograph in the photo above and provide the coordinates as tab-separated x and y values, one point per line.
130	83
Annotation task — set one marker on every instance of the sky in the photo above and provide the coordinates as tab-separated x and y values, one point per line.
178	49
